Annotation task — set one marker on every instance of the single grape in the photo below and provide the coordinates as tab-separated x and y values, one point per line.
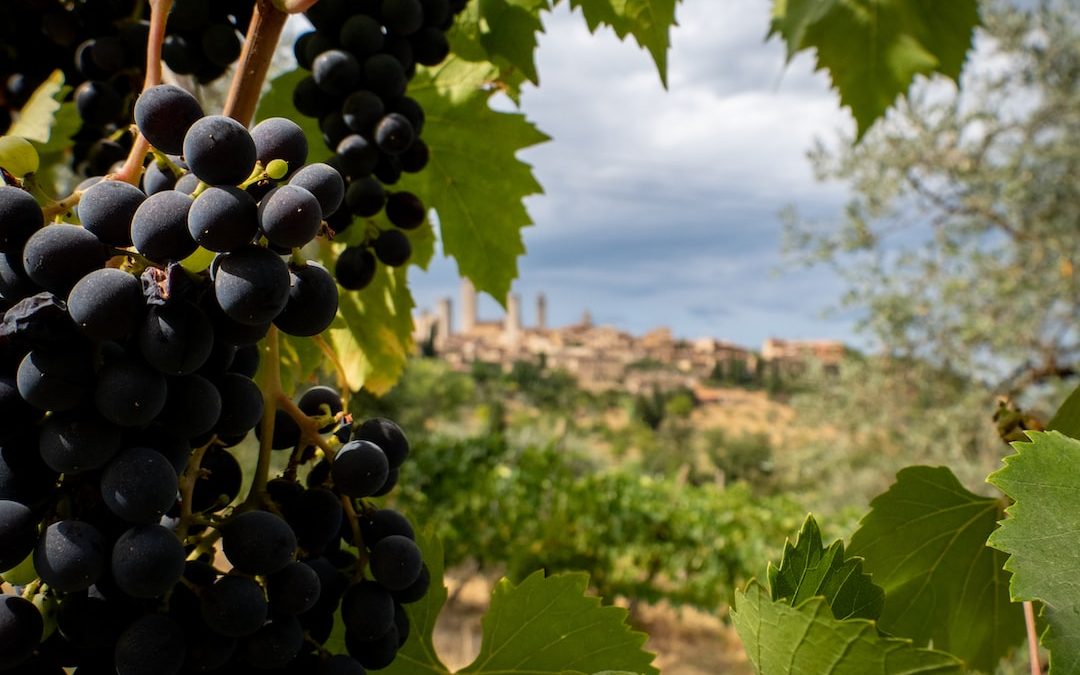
21	628
106	209
76	441
97	102
221	44
280	138
70	556
106	304
355	268
312	303
192	406
396	562
416	157
324	182
139	485
358	156
394	134
274	644
316	516
18	533
321	401
402	17
152	645
258	542
223	219
373	654
336	72
382	523
360	468
55	379
219	483
252	284
417	589
362	110
241	404
430	46
405	210
57	256
294	589
388	436
367	609
365	197
384	75
176	338
147	561
129	394
20	217
392	248
164	113
219	150
290	216
159	228
361	35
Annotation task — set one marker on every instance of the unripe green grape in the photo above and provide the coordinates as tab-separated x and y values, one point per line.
23	573
198	261
277	168
18	155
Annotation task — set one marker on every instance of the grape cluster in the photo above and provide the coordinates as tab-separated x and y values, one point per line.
361	56
127	351
100	45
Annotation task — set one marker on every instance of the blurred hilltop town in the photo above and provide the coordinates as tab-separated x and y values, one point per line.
604	357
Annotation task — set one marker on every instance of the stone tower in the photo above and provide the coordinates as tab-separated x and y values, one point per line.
512	328
541	312
444	322
468	306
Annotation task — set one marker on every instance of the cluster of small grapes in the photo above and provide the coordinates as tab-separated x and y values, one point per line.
124	379
362	55
101	47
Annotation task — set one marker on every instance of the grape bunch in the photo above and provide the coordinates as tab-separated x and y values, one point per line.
361	56
127	352
100	45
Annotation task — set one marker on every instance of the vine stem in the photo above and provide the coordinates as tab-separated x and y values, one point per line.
271	391
1033	638
267	22
159	12
187	488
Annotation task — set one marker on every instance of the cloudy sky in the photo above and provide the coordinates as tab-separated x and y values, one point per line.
661	208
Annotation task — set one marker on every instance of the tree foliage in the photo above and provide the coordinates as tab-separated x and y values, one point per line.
960	238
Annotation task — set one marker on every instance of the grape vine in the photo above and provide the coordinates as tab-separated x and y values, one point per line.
209	272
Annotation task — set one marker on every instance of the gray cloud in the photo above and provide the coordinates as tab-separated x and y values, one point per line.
661	207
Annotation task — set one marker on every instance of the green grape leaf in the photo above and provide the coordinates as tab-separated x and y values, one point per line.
474	180
549	625
372	334
1067	418
648	21
780	638
508	30
38	116
300	359
545	625
873	49
1040	537
924	542
808	569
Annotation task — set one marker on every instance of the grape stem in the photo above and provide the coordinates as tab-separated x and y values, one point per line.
267	22
60	207
187	488
271	390
131	172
